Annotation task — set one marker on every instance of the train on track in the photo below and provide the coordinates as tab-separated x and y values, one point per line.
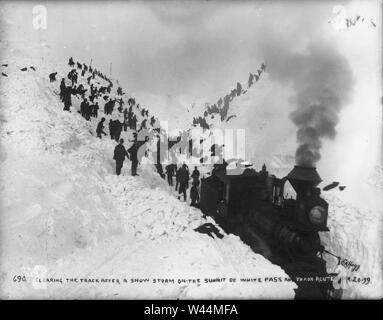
286	231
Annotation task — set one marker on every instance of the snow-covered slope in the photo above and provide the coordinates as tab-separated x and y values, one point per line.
64	213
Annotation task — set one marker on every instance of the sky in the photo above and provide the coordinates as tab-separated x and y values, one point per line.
192	48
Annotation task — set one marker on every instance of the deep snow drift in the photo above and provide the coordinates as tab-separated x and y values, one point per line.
64	213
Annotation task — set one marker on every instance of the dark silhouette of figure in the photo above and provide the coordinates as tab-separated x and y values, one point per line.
143	124
131	102
62	89
133	151
108	108
170	168
209	229
84	107
80	90
95	110
119	155
152	121
133	157
88	110
126	121
117	128
74	78
194	195
111	129
184	181
100	128
71	62
134	122
52	77
195	175
67	96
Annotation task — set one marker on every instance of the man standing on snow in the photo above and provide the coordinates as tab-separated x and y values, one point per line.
83	107
67	98
100	128
194	195
62	89
134	122
169	173
111	129
95	110
195	176
133	151
184	181
119	155
117	125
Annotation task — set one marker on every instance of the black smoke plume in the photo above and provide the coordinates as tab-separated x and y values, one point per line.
322	81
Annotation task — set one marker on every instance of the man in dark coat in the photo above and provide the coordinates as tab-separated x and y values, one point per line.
100	128
95	110
134	122
184	181
133	150
195	175
119	155
194	195
83	107
74	78
52	77
143	124
88	110
117	129
133	157
126	121
169	173
111	129
67	97
152	121
62	89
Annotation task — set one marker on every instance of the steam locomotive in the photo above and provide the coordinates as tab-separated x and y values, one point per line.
252	205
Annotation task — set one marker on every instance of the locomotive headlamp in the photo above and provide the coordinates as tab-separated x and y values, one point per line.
317	215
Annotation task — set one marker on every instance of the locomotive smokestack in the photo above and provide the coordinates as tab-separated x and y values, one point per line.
303	179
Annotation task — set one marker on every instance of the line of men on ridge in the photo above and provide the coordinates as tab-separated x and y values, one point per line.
89	108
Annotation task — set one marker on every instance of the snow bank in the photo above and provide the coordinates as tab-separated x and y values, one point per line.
355	235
